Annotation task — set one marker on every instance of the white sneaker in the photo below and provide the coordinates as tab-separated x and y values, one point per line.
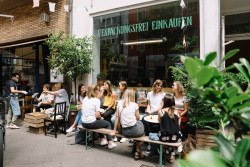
115	139
123	140
104	142
14	127
71	129
110	146
7	126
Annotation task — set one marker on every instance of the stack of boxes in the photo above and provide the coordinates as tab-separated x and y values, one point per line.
35	121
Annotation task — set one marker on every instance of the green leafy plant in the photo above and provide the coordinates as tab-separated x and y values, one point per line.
102	76
197	107
230	104
73	107
69	55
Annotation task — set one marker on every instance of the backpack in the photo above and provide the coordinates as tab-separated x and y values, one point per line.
80	137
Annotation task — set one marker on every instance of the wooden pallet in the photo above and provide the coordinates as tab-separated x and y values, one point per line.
35	121
203	138
39	130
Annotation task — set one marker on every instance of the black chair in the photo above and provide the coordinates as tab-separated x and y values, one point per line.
60	110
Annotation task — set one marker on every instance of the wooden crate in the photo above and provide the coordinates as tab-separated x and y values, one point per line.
35	121
203	140
39	130
36	115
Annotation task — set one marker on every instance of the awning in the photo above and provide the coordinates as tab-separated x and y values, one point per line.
20	44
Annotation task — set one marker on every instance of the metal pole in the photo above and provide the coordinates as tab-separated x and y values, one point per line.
37	67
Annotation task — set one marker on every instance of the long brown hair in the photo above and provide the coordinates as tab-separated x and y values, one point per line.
169	102
79	91
109	91
125	85
157	82
180	88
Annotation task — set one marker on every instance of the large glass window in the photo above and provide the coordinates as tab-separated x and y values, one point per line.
140	45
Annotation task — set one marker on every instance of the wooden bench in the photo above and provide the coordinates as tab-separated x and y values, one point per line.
142	139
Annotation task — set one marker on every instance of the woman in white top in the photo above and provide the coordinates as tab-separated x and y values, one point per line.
91	115
154	105
181	104
128	114
45	100
81	95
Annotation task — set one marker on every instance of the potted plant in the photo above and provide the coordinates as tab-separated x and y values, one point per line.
101	77
200	108
230	105
70	56
197	108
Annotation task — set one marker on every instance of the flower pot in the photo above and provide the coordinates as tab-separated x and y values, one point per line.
72	116
203	138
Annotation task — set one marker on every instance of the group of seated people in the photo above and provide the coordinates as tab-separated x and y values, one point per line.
101	107
48	98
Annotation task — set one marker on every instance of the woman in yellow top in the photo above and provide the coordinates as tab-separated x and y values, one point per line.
109	103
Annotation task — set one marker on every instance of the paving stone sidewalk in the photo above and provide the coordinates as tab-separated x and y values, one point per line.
24	149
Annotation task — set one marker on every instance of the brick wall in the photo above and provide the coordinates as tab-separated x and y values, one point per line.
27	23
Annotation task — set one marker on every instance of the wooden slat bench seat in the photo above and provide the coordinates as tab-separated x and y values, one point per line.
142	139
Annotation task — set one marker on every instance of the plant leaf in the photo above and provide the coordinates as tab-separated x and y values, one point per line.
209	58
184	163
202	157
191	67
180	71
204	75
246	63
228	68
241	151
211	118
237	99
226	148
230	54
242	71
231	91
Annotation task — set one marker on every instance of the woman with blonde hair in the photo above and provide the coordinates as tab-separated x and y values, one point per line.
181	104
91	115
154	105
109	100
128	114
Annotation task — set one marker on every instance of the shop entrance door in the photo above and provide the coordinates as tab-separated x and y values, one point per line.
237	36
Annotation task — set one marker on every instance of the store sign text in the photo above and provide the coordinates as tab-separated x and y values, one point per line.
141	27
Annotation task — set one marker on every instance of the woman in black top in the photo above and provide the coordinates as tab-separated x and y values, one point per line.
170	124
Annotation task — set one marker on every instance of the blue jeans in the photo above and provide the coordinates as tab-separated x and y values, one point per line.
78	120
113	121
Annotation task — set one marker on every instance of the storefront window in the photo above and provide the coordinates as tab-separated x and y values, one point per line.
23	60
140	45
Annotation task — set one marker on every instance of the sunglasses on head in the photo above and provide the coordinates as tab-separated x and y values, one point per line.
159	85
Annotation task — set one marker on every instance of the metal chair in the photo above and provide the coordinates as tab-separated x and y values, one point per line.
58	119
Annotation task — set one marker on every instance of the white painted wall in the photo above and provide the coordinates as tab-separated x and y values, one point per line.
210	28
